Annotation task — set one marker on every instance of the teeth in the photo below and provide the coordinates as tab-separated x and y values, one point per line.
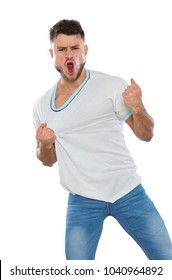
70	65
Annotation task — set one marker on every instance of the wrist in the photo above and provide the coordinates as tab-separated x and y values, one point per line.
138	110
46	146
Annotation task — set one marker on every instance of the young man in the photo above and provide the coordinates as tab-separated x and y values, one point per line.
79	124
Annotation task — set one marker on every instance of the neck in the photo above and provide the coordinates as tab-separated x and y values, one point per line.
67	84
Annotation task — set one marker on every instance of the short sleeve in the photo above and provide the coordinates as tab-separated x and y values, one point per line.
35	116
121	110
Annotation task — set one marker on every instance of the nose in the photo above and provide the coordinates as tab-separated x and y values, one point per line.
69	53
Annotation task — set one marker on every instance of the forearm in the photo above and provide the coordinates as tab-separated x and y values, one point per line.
142	124
46	154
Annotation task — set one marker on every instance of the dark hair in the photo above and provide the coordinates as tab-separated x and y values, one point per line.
67	27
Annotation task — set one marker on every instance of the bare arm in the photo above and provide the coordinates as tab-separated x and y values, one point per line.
46	145
140	121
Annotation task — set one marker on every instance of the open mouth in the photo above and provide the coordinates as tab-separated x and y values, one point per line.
70	67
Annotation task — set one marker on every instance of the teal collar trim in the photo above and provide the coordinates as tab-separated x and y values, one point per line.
52	104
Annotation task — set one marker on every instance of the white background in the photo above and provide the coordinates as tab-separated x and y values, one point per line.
128	38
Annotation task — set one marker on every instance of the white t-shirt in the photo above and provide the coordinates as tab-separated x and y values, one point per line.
93	159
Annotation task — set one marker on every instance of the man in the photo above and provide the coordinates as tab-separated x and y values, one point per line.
79	124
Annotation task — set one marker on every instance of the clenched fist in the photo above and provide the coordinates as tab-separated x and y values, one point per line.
133	97
45	135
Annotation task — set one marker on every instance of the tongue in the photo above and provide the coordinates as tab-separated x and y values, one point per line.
70	68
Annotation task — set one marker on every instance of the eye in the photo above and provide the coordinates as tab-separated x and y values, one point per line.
61	50
75	48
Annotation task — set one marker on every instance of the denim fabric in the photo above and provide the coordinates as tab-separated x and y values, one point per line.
135	212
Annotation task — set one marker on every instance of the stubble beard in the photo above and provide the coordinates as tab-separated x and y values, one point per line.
62	73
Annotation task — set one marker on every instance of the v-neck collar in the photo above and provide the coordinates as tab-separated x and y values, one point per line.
53	97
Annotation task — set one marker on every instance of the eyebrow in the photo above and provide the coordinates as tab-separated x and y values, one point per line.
74	46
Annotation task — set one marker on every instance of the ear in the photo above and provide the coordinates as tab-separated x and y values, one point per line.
86	49
51	52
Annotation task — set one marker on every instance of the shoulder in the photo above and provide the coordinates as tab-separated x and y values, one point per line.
114	84
44	99
104	77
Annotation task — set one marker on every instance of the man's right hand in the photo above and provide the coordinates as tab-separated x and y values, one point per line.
45	135
46	148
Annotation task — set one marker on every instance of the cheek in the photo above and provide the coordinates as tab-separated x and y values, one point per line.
83	58
80	59
57	59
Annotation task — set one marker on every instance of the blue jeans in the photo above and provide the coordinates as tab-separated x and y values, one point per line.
135	212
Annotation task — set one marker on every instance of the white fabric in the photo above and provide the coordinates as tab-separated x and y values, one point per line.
93	159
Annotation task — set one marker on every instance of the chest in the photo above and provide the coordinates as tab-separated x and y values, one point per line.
88	106
86	111
62	97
